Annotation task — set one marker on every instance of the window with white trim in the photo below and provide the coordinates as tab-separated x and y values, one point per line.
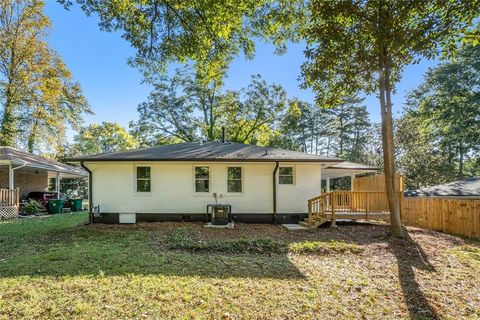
202	179
285	175
234	179
144	182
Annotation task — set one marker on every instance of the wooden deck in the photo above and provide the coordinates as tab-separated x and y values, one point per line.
347	205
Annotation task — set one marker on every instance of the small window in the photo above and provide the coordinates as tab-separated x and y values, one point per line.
202	179
144	182
234	179
285	175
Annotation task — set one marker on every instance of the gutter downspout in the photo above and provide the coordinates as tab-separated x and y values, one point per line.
275	191
11	181
90	202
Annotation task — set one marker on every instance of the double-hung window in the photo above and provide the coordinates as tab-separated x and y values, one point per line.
144	182
234	179
202	179
285	175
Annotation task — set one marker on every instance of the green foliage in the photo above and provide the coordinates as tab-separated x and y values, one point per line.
420	162
187	108
74	187
252	114
350	43
209	33
364	46
446	107
39	98
104	137
32	207
184	239
324	247
341	131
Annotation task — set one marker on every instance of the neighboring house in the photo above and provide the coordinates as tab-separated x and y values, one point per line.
466	188
178	181
22	172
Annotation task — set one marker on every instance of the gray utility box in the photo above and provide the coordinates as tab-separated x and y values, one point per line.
220	214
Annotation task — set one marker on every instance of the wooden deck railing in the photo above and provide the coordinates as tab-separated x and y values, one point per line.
449	215
335	202
318	206
9	197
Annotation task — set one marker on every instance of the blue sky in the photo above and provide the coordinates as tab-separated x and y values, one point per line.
98	60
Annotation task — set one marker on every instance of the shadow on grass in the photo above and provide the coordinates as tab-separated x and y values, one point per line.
75	250
66	249
410	255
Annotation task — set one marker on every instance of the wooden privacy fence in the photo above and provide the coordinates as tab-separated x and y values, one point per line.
449	215
375	183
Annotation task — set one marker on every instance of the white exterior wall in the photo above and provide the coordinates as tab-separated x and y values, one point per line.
293	198
172	188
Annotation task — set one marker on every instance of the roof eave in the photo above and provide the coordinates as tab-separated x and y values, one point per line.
349	168
76	160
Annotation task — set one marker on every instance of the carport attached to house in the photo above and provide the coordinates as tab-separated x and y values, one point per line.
22	172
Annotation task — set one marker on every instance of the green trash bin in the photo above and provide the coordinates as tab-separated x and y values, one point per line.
76	204
55	206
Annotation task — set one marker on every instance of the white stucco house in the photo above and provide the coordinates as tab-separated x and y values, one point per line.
176	182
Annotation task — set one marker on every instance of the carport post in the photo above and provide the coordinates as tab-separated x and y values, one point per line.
320	181
57	185
11	182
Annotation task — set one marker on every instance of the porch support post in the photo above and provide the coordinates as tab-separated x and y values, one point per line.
352	177
11	179
57	185
328	184
320	180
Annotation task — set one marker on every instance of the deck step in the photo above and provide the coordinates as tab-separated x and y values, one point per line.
304	224
314	224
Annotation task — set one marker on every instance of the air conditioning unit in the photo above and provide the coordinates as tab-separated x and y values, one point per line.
220	214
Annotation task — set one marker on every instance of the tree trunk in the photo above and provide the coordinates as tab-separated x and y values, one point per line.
328	146
8	130
341	139
388	146
32	137
460	161
8	126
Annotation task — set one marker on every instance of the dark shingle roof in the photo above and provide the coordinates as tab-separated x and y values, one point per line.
208	151
469	187
18	157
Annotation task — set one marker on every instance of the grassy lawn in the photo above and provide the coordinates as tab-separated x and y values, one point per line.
56	267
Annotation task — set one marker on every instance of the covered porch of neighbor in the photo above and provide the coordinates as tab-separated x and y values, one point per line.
366	199
22	173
